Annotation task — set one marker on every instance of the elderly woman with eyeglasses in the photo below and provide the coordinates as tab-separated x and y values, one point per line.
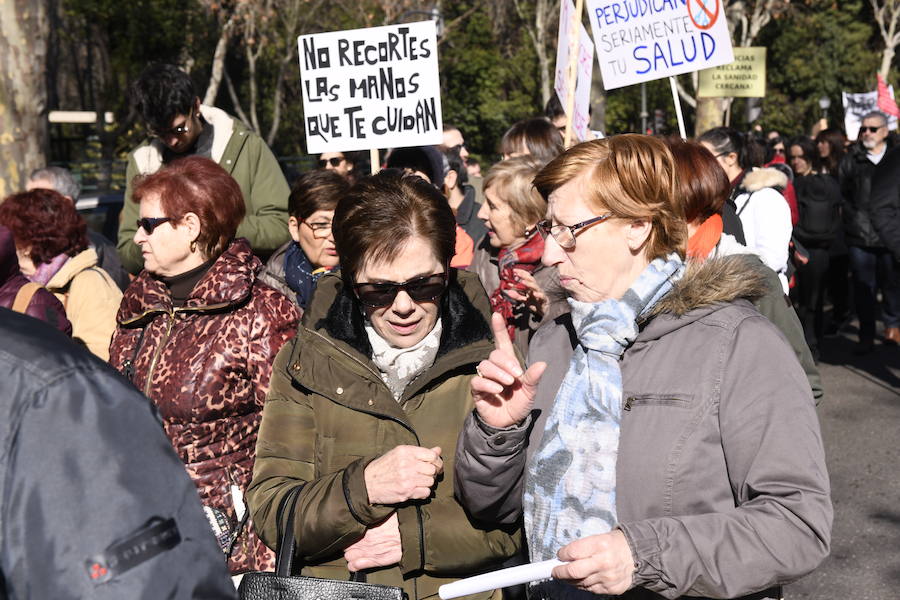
197	333
295	268
367	403
663	442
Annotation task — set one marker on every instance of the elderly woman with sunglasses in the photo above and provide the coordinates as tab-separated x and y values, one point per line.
665	443
367	403
197	333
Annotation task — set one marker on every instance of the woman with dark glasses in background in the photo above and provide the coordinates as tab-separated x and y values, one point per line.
342	163
366	406
197	335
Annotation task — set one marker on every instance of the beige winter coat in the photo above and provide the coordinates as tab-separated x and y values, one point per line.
91	299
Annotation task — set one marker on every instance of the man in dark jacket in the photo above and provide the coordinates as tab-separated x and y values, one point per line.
871	264
885	210
95	502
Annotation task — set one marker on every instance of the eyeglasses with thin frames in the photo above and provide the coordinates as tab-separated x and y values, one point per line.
320	229
565	234
182	129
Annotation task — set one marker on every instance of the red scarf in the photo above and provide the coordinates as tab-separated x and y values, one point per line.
526	257
705	238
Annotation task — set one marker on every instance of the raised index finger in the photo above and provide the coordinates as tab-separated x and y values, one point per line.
502	341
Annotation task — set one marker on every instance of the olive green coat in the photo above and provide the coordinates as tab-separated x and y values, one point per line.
247	158
328	414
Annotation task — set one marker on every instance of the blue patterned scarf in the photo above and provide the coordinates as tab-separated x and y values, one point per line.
570	488
300	274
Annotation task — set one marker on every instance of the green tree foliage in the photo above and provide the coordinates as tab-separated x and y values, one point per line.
819	49
486	86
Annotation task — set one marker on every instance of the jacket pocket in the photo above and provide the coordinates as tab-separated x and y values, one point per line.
633	401
332	456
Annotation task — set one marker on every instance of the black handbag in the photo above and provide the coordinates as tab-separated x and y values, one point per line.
281	585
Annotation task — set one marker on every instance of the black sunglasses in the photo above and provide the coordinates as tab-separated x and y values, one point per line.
151	223
870	129
420	289
333	161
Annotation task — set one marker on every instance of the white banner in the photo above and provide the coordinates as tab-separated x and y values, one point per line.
643	40
581	119
857	105
371	88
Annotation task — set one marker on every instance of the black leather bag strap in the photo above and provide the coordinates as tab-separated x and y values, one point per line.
286	543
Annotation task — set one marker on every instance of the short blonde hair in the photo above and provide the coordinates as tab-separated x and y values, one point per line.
511	180
631	176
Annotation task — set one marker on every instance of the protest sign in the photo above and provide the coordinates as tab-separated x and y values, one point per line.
856	106
581	117
743	78
643	40
371	88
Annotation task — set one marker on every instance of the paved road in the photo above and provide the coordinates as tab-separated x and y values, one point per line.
860	418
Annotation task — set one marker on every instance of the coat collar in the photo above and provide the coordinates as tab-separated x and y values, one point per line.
229	282
707	286
75	265
332	342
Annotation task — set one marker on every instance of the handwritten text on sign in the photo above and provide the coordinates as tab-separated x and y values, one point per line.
371	88
643	40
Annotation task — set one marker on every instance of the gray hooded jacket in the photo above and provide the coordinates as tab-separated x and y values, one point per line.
722	489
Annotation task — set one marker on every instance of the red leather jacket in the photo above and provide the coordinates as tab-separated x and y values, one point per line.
206	365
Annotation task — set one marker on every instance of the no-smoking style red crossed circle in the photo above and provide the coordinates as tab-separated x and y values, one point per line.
703	13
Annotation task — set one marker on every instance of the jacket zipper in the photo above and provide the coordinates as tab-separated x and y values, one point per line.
419	518
158	351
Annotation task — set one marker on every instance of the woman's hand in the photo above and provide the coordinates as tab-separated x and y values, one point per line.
404	473
379	547
503	394
600	564
534	298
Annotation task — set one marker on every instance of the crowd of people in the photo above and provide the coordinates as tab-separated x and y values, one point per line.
604	353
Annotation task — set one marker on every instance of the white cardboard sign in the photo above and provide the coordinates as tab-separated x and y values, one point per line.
371	88
857	105
581	119
643	40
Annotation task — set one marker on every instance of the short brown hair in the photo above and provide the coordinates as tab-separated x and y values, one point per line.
538	136
382	212
631	176
198	185
701	185
316	190
511	181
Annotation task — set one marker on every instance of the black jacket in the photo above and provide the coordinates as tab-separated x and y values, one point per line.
885	203
94	502
855	176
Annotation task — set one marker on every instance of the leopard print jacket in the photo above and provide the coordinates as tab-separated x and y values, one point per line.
206	366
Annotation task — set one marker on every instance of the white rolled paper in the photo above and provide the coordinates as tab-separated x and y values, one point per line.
498	579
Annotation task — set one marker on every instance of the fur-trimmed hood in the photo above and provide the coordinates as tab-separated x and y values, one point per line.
706	287
758	179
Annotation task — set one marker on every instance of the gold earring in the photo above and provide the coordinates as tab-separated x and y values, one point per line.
194	246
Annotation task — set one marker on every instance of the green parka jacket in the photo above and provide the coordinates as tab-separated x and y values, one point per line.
328	414
247	158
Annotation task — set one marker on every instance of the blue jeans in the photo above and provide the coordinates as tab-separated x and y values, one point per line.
874	268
